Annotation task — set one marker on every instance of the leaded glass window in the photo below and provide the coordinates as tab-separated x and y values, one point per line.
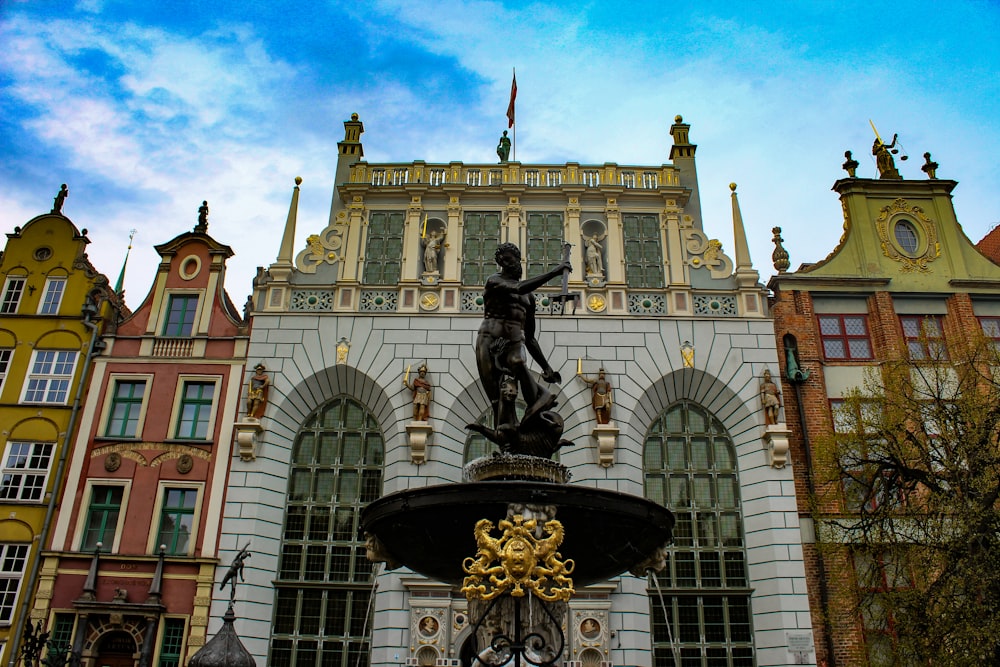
643	255
479	246
545	241
384	251
172	643
324	585
690	467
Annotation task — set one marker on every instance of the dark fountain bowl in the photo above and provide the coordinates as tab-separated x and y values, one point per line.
430	529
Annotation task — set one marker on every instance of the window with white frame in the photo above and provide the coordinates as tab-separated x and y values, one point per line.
126	408
50	376
25	471
102	517
52	298
181	311
5	355
195	411
12	561
12	291
177	516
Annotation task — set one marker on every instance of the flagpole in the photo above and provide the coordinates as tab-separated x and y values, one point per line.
513	141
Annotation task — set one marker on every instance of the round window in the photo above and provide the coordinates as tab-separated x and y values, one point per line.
43	253
906	236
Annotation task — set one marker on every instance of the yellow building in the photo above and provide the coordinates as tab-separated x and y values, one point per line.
52	306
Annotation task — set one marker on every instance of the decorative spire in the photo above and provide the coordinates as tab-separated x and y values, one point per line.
929	168
682	146
285	250
90	585
155	589
202	226
780	255
224	649
744	267
120	284
57	203
850	165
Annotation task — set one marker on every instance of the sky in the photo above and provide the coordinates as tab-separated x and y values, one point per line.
147	108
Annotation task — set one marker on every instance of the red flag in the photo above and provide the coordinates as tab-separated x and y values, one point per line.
510	107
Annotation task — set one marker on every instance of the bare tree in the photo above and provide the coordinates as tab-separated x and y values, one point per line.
915	463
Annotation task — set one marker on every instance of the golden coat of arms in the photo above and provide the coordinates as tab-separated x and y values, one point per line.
518	562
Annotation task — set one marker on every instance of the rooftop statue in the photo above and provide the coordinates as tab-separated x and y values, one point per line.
503	148
57	203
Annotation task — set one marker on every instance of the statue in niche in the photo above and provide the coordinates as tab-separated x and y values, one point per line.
432	242
503	148
883	158
770	399
601	398
508	329
594	255
257	389
60	199
421	388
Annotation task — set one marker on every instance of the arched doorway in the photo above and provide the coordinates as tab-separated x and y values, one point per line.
116	649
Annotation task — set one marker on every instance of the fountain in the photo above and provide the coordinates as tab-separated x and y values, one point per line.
554	536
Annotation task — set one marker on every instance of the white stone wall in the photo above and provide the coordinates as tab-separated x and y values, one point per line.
643	360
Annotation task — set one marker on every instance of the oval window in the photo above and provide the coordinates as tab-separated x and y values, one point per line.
906	236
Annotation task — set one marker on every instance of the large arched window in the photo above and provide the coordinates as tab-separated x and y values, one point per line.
322	615
690	467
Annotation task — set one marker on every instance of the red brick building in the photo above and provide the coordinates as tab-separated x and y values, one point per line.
903	277
129	572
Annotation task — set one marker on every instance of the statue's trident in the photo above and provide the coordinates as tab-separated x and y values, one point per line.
566	295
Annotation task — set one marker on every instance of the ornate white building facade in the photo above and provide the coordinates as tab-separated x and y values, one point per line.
394	280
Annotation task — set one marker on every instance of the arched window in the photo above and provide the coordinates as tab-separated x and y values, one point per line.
690	467
322	615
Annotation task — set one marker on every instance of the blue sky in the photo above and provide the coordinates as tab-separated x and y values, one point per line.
146	109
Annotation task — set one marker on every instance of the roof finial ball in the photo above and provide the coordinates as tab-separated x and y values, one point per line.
354	116
298	180
678	118
732	187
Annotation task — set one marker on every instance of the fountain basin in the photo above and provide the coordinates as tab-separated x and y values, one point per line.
430	529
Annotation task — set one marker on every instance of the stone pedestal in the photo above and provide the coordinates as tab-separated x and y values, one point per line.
776	444
417	434
606	436
246	437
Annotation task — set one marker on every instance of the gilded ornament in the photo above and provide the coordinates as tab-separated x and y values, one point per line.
928	248
518	562
596	303
429	301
